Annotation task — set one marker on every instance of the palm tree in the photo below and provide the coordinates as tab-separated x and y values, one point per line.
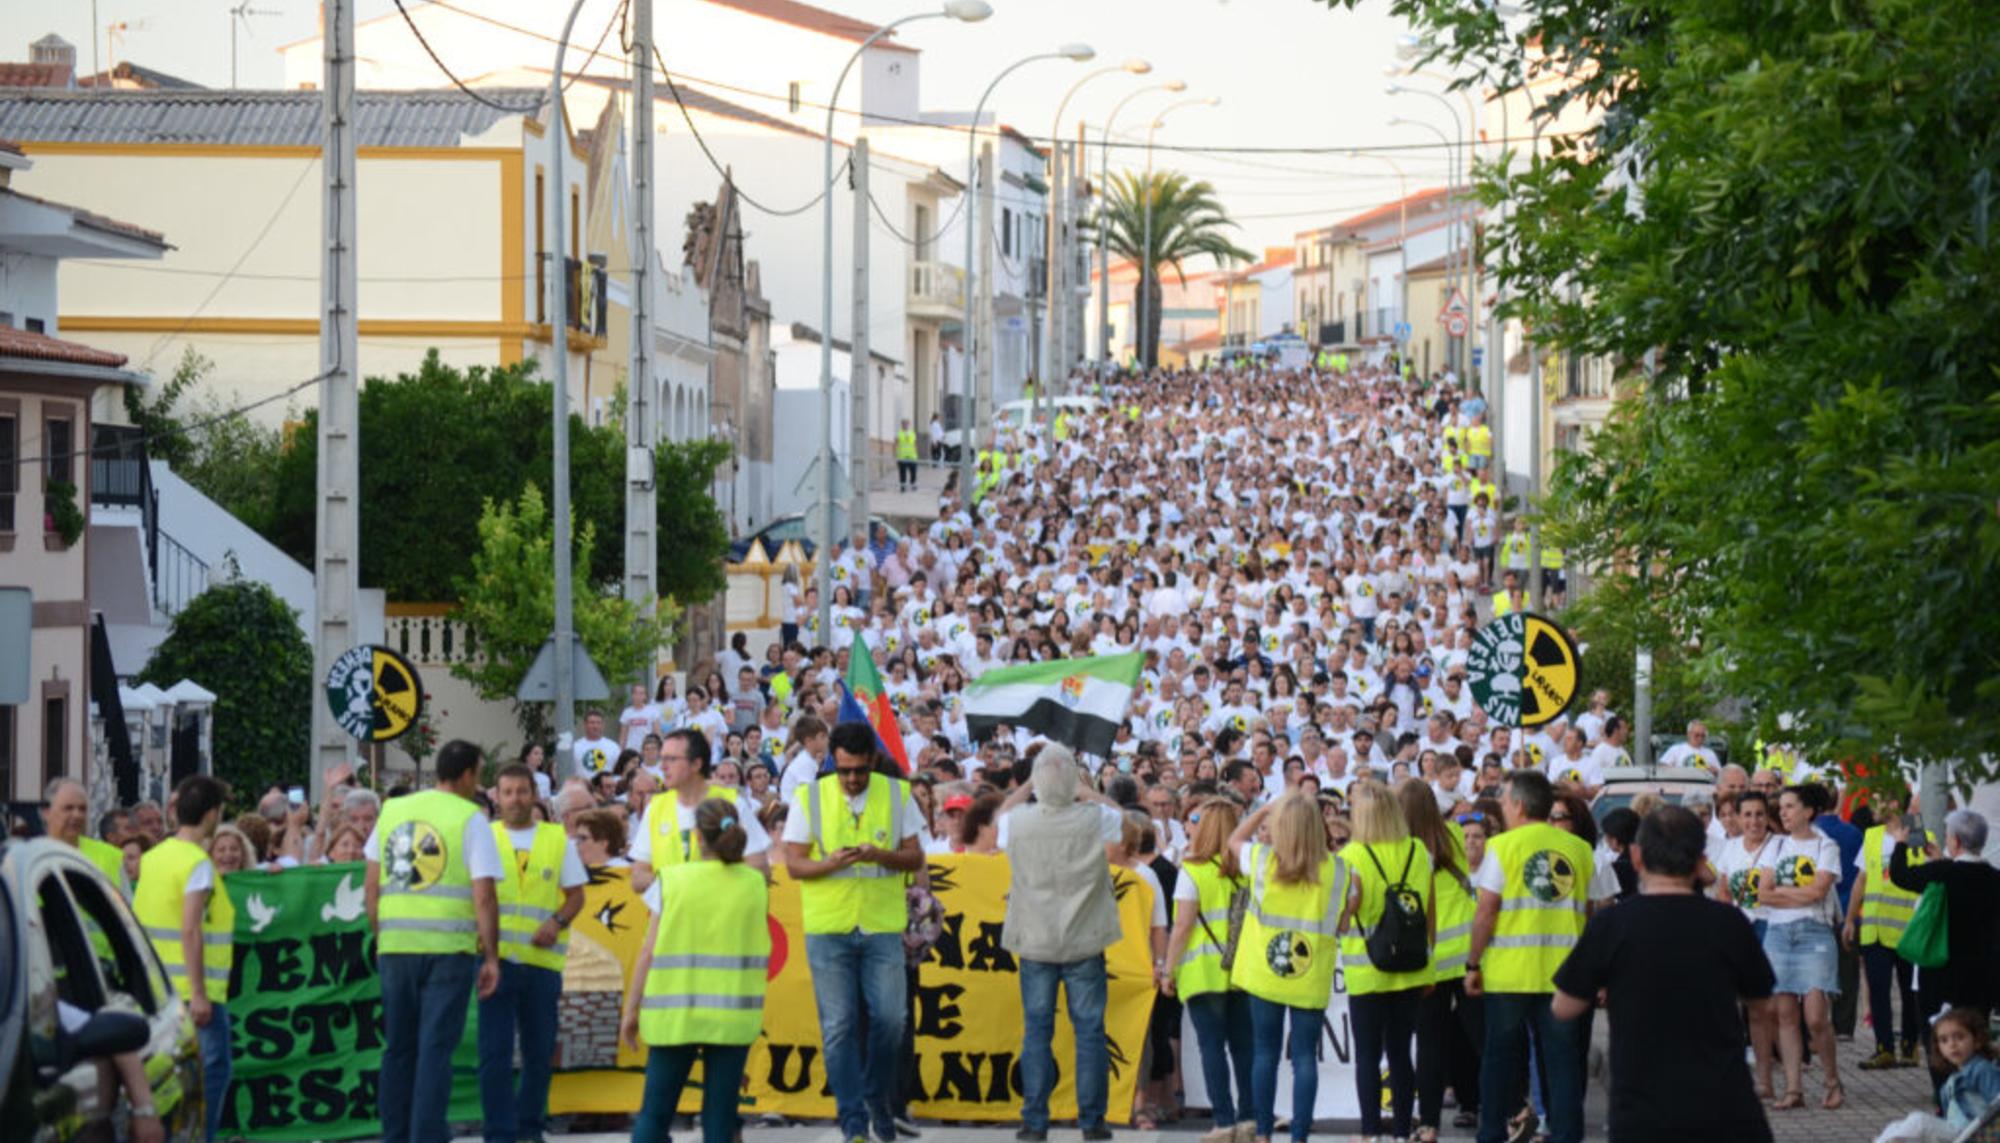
1187	220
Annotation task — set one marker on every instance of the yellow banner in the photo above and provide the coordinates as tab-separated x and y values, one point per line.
967	1007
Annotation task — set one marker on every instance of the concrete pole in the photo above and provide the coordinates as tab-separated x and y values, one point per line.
860	370
565	624
337	524
982	396
641	416
968	435
1053	281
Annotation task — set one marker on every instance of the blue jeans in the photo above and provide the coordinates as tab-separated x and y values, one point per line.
1222	1030
667	1069
512	1106
855	974
214	1041
1559	1048
424	998
1268	1022
1084	986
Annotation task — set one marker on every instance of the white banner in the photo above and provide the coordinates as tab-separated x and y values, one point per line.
1335	1099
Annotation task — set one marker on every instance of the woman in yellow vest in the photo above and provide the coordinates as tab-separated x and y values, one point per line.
1287	953
1210	879
1445	1001
1382	1005
700	995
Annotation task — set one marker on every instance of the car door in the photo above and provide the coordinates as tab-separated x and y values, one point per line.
61	972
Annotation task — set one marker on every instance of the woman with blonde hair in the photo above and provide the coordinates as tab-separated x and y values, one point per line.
1456	902
1383	862
1288	950
1211	877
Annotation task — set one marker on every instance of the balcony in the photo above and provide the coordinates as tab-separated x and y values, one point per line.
937	291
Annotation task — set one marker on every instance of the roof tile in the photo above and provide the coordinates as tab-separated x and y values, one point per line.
41	347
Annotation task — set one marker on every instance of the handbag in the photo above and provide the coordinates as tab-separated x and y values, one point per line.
1239	904
1923	941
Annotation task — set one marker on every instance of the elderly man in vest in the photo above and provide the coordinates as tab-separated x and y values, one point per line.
539	891
66	811
432	869
181	904
849	839
1061	916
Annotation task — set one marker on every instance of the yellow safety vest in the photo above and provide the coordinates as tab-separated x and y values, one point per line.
1516	544
529	894
1360	859
1479	440
1200	969
1552	557
1062	426
1454	435
705	984
1885	908
906	445
863	896
1542	907
158	903
426	898
1289	946
109	859
1457	901
672	845
1503	604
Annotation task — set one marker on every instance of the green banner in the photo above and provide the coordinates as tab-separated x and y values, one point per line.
305	1010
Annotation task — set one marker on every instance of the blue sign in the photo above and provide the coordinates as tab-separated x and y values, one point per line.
1478	356
1403	331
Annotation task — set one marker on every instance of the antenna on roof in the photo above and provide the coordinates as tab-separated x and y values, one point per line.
239	17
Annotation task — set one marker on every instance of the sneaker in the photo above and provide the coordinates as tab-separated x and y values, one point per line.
1882	1060
907	1127
1911	1057
1220	1135
1030	1135
1524	1129
1246	1131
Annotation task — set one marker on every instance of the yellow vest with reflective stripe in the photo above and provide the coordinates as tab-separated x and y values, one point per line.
1542	908
864	895
906	445
1503	604
1479	440
530	895
158	903
1457	901
705	984
1288	950
671	844
1200	968
426	899
1552	557
109	859
1361	974
1885	909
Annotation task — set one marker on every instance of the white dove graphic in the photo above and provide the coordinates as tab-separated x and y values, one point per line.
347	904
261	915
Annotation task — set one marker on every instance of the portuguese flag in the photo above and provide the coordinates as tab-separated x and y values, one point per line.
1077	702
866	701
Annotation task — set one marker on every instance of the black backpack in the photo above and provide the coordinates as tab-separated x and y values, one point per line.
1400	941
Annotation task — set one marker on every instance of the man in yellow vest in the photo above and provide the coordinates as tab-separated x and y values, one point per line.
176	885
1877	913
662	838
849	839
1534	887
906	457
65	812
432	869
1510	598
539	891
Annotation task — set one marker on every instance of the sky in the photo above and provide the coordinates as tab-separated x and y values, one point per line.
1290	74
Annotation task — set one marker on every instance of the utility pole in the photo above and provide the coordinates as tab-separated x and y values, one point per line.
968	333
1052	284
558	279
982	397
860	368
337	524
641	509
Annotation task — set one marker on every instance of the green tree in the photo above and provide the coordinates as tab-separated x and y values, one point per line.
692	536
1187	220
151	410
508	604
228	457
1781	227
242	642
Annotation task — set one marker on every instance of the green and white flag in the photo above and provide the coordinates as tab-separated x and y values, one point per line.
1077	702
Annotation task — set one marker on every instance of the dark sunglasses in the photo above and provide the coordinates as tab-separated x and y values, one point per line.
1474	816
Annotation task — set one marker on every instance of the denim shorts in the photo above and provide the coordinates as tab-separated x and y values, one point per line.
1804	957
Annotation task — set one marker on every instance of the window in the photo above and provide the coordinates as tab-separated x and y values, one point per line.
58	447
1007	232
70	955
792	97
10	463
55	735
36	325
108	929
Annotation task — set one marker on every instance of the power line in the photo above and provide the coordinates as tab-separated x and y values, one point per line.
688	118
617	19
177	430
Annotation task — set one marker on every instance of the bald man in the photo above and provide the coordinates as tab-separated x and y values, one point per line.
65	811
1695	752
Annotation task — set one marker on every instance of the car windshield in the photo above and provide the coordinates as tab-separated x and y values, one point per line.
1614	799
794	529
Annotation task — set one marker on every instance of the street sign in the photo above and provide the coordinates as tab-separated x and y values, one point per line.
1456	304
539	684
1523	670
1478	356
1454	325
374	693
1403	331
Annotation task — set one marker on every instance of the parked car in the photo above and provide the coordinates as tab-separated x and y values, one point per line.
67	935
796	526
1624	783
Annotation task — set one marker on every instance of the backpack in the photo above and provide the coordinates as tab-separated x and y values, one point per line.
1400	941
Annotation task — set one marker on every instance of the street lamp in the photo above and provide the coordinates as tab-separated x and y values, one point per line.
1452	219
1104	248
1077	53
1146	263
1055	339
965	11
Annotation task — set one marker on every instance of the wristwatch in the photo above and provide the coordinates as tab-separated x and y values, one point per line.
146	1112
1473	967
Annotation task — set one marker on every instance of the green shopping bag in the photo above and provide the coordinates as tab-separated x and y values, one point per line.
1923	941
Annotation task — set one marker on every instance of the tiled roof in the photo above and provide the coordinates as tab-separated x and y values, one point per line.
268	118
88	218
15	74
41	347
814	19
1414	203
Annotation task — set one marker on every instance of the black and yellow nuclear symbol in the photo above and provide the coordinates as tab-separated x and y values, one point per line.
415	856
374	693
1549	876
397	697
1288	954
1549	675
1797	870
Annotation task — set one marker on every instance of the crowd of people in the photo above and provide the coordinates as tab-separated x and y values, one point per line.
1303	784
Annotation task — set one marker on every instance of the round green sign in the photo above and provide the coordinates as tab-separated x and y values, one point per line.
1523	670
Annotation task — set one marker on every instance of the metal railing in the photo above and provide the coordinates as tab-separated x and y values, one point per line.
938	285
178	574
119	476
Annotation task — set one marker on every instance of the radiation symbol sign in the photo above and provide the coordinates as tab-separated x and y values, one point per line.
415	856
1549	876
1523	669
1288	954
1797	869
374	693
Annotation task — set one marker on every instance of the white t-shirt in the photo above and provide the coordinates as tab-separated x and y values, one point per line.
201	877
637	722
1793	863
801	769
595	755
1492	877
1152	880
1734	862
482	856
1583	771
798	825
1683	754
1110	818
746	816
573	875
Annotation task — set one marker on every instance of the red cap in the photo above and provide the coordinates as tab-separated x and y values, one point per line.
958	802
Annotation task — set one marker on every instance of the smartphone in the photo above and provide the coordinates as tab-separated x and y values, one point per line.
296	795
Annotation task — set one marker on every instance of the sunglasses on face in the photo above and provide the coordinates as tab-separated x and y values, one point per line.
1466	819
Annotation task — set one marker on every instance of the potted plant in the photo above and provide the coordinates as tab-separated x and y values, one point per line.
60	513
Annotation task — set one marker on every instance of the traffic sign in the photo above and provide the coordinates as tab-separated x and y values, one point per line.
374	693
1478	356
1456	304
1454	325
1523	670
1402	331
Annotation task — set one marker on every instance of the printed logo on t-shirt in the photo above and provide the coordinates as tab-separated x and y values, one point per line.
1549	876
416	856
1743	887
1796	869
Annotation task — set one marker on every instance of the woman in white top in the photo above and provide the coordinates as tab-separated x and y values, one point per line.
1739	862
1795	881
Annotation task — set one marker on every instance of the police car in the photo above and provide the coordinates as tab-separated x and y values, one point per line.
80	984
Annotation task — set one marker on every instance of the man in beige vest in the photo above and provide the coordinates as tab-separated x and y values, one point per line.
1061	916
